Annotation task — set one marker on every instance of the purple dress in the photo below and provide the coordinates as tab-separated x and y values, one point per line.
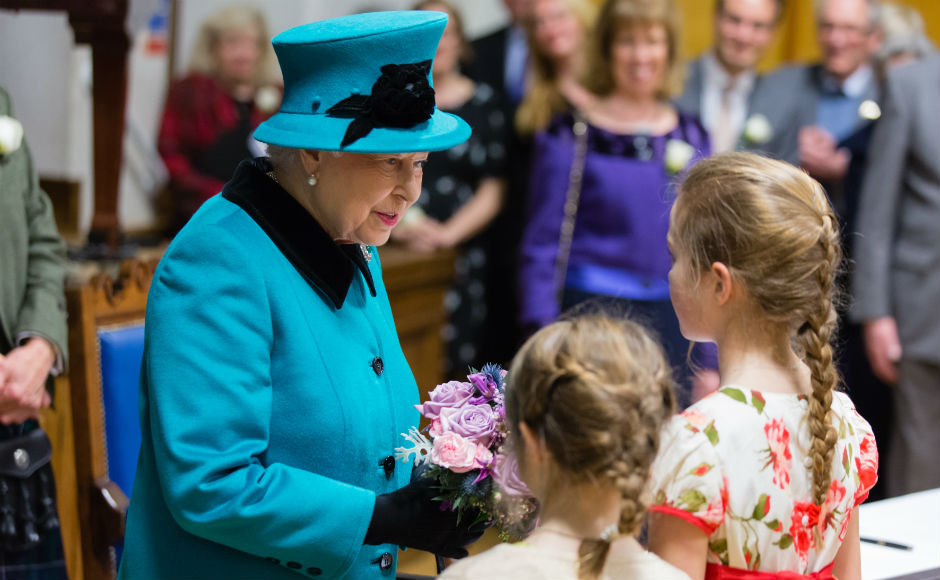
619	244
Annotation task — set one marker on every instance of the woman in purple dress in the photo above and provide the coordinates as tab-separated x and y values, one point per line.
635	144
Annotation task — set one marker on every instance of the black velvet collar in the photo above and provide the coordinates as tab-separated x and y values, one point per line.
326	265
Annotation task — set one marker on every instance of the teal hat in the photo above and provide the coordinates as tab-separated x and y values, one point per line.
362	83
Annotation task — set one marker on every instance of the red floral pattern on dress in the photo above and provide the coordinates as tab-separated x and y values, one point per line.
803	519
727	465
779	440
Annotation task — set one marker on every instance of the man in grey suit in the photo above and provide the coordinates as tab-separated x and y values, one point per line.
741	109
896	282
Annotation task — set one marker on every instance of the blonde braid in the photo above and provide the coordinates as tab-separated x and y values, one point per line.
814	338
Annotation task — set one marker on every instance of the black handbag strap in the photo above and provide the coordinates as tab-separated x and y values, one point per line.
572	197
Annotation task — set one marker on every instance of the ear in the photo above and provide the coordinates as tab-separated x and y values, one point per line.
310	159
534	445
723	282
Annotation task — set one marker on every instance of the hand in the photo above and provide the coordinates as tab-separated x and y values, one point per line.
819	155
883	347
412	517
23	374
425	235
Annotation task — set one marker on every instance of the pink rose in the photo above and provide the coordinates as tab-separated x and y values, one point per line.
483	457
450	394
436	429
834	498
506	475
453	452
475	422
866	463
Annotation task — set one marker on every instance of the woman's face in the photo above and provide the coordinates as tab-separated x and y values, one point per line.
557	32
237	53
359	197
639	57
447	57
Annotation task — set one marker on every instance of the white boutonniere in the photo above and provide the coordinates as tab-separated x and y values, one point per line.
869	109
267	99
757	129
11	135
678	155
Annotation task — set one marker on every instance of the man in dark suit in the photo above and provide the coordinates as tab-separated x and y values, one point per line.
500	59
740	108
896	282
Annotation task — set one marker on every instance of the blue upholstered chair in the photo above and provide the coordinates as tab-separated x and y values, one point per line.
106	339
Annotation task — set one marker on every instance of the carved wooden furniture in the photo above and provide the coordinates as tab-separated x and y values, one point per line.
99	306
416	284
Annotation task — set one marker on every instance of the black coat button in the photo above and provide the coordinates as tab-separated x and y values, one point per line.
314	571
294	565
388	464
377	365
386	561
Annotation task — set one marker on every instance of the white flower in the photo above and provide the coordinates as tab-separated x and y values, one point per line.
421	447
267	99
678	155
414	215
869	109
757	129
11	135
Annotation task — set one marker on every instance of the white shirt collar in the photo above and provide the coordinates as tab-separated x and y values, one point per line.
857	82
716	74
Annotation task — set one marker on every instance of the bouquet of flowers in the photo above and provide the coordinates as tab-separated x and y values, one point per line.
460	449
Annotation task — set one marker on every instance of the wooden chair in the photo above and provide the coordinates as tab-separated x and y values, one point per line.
103	403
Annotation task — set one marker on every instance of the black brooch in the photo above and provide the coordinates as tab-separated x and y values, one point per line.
401	97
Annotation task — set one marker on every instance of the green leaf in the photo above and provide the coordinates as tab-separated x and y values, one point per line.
756	562
719	546
758	401
711	433
660	497
773	524
693	499
735	394
786	540
761	507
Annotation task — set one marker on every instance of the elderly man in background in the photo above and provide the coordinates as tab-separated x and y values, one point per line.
897	273
740	108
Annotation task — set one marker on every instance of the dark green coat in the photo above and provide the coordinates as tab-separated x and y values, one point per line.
32	255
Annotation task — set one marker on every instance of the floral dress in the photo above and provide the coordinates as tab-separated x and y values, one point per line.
736	464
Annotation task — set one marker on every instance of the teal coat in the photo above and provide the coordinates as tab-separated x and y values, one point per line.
32	255
266	417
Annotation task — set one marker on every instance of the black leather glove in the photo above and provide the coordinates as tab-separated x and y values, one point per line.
411	517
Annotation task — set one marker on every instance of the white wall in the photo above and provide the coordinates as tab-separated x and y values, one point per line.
49	78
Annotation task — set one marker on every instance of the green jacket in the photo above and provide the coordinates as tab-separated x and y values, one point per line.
32	255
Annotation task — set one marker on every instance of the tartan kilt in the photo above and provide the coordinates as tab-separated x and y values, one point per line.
46	561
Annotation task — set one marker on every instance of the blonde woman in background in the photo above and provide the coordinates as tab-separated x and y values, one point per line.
585	402
557	31
635	143
233	84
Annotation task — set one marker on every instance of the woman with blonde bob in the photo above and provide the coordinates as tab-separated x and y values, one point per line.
232	85
601	180
765	476
585	402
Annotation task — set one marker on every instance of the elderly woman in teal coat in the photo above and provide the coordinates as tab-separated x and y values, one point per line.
273	387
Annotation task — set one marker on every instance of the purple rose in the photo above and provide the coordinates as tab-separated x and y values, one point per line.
506	475
485	384
474	422
450	394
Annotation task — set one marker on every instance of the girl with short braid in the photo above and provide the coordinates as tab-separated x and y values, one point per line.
586	400
764	475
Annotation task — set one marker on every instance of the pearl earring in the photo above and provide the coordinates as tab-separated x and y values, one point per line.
312	180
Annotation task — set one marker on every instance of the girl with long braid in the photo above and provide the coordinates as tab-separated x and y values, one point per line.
586	400
763	476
